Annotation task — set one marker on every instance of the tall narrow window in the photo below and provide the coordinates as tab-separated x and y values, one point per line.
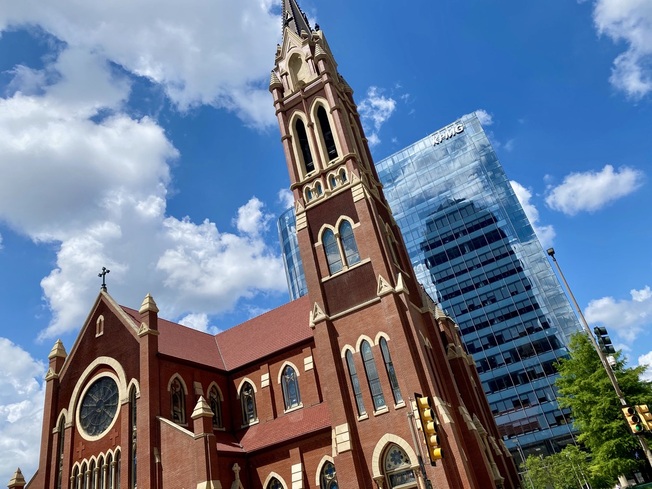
389	366
61	440
372	376
102	475
248	400
290	386
178	402
308	163
355	383
348	243
326	132
328	477
133	418
109	472
332	251
216	406
117	469
92	474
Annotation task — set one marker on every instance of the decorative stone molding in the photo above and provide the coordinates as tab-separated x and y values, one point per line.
384	287
342	438
317	315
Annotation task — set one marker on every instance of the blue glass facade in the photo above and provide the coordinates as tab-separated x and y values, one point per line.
474	250
287	233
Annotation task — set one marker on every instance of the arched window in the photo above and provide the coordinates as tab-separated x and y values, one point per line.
117	470
216	406
133	418
304	146
327	134
60	445
332	181
248	400
318	190
290	385
274	483
372	376
328	477
92	473
343	175
332	251
99	326
102	472
341	249
348	243
85	476
389	367
109	471
398	469
355	383
177	402
74	480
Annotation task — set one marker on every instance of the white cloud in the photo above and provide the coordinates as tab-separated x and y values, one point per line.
199	51
82	175
591	191
546	234
629	21
626	317
200	322
647	361
286	198
375	109
21	409
485	117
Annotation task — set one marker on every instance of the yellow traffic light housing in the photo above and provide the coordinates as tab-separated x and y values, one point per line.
429	427
633	420
645	416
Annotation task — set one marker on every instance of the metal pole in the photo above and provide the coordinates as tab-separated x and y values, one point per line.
603	357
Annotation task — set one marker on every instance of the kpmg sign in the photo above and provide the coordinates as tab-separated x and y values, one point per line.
447	133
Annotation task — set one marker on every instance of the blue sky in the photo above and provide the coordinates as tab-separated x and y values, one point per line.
142	138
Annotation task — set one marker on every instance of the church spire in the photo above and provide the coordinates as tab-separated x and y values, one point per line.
294	18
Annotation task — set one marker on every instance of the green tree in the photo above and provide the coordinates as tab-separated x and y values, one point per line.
568	469
584	387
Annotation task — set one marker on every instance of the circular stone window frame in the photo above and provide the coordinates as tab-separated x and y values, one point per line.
88	385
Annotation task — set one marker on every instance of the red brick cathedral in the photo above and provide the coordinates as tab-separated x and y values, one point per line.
319	393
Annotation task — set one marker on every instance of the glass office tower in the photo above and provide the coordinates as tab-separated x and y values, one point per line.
287	233
475	252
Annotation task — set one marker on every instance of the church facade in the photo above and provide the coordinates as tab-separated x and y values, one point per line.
319	393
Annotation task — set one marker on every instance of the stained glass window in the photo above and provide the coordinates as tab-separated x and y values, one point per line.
99	406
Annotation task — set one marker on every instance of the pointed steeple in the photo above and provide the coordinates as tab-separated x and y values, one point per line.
293	18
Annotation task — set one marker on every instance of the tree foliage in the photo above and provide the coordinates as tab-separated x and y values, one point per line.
584	387
568	469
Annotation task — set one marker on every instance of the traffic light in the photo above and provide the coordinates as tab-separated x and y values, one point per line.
633	420
645	415
429	427
604	342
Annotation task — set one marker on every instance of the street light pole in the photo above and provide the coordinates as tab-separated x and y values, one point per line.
603	357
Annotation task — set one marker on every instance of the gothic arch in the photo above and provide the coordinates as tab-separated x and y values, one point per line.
296	140
66	418
135	384
324	459
246	379
379	335
321	233
286	364
346	348
219	391
181	381
384	442
327	140
361	339
278	477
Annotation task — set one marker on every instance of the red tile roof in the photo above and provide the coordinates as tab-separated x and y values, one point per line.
247	342
268	333
293	425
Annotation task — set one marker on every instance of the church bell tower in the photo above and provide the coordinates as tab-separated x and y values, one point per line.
367	308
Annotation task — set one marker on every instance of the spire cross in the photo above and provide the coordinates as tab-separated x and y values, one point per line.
103	275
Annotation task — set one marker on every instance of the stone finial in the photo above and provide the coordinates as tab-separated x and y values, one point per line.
148	305
58	351
17	481
202	409
274	81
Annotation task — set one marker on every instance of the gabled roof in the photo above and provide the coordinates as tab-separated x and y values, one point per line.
273	331
240	345
293	425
